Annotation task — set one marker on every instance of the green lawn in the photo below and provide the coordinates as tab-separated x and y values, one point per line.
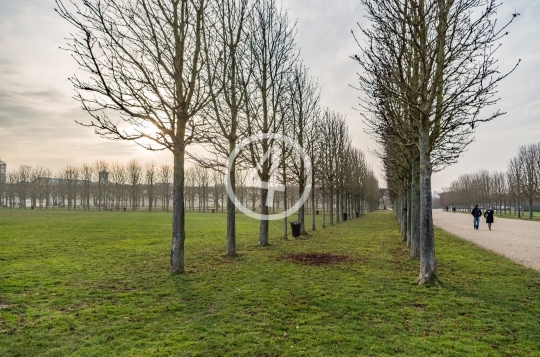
524	215
96	284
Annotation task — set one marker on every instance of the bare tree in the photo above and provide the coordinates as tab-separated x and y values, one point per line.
134	177
304	109
273	53
165	177
150	178
23	183
87	175
70	176
530	177
223	119
36	184
118	179
145	61
11	187
217	188
191	182
515	180
334	134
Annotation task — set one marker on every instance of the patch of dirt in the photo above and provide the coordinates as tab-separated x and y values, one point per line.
317	258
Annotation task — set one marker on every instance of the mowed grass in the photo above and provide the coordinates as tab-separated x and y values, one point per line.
524	215
96	284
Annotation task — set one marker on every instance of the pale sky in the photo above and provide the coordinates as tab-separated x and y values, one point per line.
37	114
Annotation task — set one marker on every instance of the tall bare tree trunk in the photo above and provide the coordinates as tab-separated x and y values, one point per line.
178	222
404	209
263	229
331	207
301	188
428	265
323	206
414	251
231	208
313	202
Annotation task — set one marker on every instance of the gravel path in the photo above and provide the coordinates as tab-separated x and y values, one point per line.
515	239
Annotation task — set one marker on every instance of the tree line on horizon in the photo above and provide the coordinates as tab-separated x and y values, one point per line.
512	190
114	186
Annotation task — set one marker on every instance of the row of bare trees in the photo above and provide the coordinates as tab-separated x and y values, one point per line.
516	190
427	72
134	185
100	185
181	72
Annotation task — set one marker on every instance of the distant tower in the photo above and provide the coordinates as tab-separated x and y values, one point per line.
3	166
2	183
103	176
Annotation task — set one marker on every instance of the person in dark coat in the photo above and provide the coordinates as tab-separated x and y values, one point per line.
489	216
477	213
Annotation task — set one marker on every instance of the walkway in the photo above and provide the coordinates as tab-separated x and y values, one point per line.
518	240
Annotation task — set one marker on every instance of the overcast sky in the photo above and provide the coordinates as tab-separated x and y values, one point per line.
37	114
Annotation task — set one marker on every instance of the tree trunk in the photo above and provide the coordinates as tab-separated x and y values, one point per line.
285	228
409	211
263	229
301	188
178	222
323	207
150	200
414	252
312	202
428	265
231	208
331	207
404	209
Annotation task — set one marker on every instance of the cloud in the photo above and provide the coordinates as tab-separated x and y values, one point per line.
37	113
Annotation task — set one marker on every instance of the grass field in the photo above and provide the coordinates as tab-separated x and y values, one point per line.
96	284
524	215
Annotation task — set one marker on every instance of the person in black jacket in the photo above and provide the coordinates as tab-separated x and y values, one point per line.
477	213
489	216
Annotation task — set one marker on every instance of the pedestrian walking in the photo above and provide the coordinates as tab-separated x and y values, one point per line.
489	216
477	213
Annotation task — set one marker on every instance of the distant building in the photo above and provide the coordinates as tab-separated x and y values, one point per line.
3	166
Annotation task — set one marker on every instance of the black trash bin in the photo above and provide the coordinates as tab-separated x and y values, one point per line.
213	210
124	209
357	214
344	216
295	227
316	212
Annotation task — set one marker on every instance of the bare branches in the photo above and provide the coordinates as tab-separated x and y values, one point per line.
135	65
